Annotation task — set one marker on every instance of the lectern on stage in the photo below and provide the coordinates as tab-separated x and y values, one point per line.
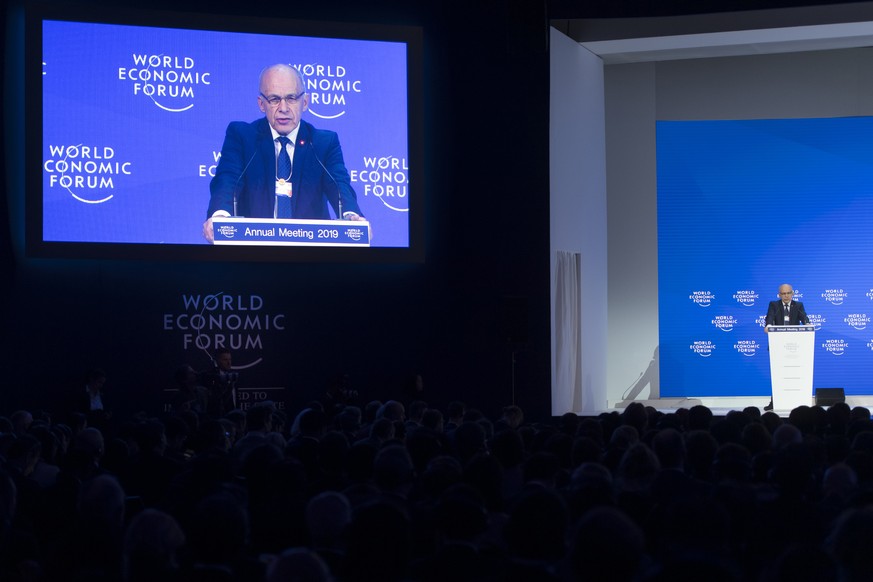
792	348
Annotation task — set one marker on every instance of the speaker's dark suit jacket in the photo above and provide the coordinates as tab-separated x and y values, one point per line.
248	168
776	314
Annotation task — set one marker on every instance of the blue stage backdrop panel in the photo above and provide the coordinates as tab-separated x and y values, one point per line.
744	206
134	118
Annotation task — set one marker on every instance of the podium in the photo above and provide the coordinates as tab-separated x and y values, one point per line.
238	230
792	349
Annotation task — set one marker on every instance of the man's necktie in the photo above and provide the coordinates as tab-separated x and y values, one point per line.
283	172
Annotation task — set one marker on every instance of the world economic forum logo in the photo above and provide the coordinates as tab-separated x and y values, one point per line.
816	320
206	323
702	298
226	230
386	178
858	321
869	294
330	87
747	347
836	347
702	348
724	322
746	297
169	81
834	296
88	172
355	234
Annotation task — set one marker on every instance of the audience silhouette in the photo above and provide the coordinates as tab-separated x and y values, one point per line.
406	491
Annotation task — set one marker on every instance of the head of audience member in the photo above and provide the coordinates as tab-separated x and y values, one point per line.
393	411
786	434
607	545
537	525
416	410
638	468
732	463
151	437
635	415
839	416
508	448
753	413
461	514
859	413
259	417
849	543
370	411
469	440
455	412
220	529
569	423
349	420
151	545
382	430
803	417
378	543
590	486
699	418
21	421
794	470
726	431
328	515
432	419
669	446
700	447
756	438
513	416
839	481
541	468
311	423
393	471
101	503
298	565
23	454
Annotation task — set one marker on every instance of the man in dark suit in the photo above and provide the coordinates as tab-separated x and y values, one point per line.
280	166
784	311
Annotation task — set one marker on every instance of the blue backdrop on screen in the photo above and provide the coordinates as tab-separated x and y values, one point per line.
134	119
744	206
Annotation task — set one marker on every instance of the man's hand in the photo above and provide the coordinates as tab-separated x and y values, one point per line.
207	230
356	216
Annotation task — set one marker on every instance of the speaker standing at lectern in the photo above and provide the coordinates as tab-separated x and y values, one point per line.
784	311
280	166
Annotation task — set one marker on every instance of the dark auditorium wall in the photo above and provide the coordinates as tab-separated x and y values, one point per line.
480	296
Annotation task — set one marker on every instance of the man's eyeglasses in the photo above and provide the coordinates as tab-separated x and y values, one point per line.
786	293
274	100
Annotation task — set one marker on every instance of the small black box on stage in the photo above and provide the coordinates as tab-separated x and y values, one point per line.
829	396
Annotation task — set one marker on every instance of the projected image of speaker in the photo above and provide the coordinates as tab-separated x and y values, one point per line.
829	396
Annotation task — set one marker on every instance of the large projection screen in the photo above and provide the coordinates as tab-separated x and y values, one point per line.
129	111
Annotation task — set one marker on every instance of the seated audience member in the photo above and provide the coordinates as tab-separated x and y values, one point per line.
151	545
